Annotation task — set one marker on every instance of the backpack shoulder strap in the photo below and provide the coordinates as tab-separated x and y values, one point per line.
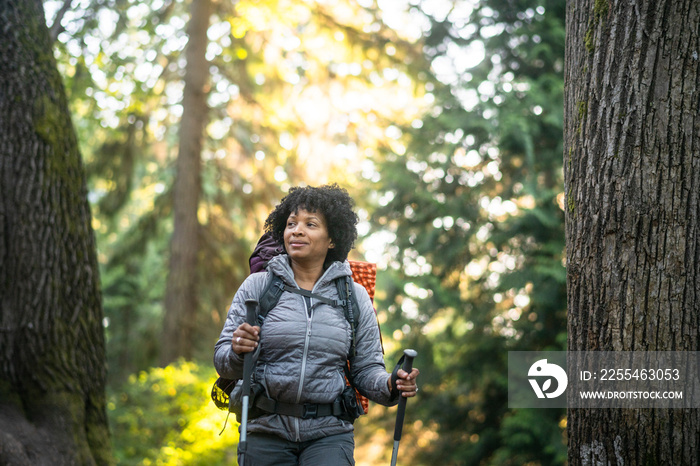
270	296
346	293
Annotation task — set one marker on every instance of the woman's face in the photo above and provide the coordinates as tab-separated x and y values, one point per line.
306	237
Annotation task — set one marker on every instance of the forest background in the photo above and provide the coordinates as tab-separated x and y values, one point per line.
444	121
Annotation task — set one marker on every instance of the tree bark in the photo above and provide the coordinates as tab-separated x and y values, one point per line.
632	180
181	289
52	349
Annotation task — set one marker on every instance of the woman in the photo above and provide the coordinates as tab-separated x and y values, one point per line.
305	342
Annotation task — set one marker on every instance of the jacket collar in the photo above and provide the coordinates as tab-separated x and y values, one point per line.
280	266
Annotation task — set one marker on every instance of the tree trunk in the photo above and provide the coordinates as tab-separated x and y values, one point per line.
632	174
52	349
181	289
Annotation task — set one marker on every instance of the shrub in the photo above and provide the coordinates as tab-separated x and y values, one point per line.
165	417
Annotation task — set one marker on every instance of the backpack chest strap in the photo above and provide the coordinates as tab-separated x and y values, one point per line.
317	297
273	291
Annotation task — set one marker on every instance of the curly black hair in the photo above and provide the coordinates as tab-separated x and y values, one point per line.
333	202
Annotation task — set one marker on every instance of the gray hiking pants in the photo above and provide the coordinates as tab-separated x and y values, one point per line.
271	450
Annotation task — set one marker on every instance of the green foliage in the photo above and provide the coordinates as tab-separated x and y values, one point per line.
165	417
475	204
523	432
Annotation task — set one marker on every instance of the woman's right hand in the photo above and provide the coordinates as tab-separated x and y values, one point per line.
245	338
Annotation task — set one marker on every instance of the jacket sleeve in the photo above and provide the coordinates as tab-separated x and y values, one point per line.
368	370
226	362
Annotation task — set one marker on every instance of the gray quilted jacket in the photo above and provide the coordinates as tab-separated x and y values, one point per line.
302	352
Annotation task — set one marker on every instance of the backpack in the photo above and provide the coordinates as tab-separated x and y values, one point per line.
363	273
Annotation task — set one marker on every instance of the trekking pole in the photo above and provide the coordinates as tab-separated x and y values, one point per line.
407	366
251	316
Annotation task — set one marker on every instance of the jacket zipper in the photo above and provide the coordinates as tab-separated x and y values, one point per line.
309	317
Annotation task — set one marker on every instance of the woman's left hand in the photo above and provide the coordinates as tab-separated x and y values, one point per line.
406	383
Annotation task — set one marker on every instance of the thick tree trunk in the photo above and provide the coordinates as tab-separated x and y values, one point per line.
181	288
52	353
632	173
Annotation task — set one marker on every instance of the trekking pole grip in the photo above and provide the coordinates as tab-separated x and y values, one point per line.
251	315
408	356
408	367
